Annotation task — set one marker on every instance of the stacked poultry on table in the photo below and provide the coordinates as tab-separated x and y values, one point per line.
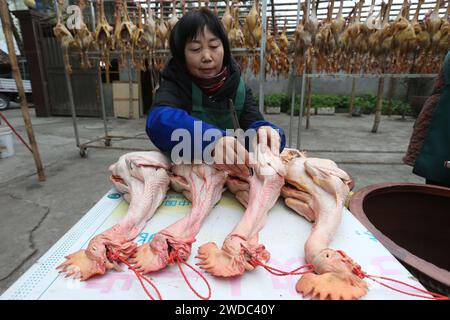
314	188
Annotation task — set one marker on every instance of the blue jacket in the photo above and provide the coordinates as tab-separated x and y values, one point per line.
173	102
162	121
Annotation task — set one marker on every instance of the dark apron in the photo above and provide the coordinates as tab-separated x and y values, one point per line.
436	146
221	118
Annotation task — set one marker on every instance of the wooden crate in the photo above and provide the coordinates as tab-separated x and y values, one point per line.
121	100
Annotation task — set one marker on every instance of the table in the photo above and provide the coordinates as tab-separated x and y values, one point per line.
284	236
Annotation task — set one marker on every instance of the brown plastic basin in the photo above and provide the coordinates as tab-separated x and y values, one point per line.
413	222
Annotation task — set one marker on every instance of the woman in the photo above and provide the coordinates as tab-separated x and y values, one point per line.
198	83
429	146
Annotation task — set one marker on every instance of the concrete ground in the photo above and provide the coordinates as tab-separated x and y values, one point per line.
36	214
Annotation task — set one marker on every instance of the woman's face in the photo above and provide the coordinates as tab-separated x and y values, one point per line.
204	55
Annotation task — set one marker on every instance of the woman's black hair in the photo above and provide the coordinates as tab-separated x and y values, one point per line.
193	23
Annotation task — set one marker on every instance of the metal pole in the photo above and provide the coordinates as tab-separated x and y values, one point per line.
291	119
102	99
130	82
99	73
70	94
72	106
141	108
262	58
300	115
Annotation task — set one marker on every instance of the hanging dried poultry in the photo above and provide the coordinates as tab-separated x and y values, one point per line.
424	50
380	42
423	40
350	37
123	33
117	21
374	38
252	35
149	28
347	44
272	52
379	18
325	43
432	39
227	18
362	40
65	38
162	30
337	25
150	36
242	243
84	38
433	23
403	35
337	30
283	60
203	186
162	39
371	20
317	189
236	37
143	179
312	23
283	39
414	44
256	63
444	42
252	27
103	35
140	42
302	43
441	39
387	34
172	20
413	47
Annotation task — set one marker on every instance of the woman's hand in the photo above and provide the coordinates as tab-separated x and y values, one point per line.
268	137
231	156
266	151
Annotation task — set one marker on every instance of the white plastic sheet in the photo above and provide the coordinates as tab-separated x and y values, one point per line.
284	236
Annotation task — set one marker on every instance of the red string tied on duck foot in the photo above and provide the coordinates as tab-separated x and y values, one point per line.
175	257
116	257
254	261
361	274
